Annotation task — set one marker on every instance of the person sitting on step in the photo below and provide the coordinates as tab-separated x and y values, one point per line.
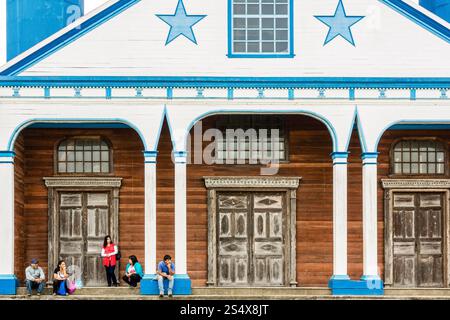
60	277
133	272
166	270
35	278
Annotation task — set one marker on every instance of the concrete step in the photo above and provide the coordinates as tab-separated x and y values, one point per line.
418	292
200	293
97	291
261	291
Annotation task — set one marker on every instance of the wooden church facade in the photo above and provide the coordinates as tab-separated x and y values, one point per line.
359	200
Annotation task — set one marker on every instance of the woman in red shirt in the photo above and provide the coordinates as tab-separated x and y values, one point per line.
109	252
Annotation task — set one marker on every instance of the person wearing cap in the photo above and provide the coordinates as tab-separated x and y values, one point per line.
35	278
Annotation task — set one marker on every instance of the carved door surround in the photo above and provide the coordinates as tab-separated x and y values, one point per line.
59	185
287	186
407	187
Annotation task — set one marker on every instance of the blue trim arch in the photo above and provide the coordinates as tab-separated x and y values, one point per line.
86	123
313	115
396	125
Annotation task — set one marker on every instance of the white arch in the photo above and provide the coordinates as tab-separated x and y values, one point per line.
339	120
374	120
146	120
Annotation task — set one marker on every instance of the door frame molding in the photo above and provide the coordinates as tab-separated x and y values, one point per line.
288	185
392	186
56	185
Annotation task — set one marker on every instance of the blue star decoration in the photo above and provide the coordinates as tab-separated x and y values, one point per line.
339	24
180	23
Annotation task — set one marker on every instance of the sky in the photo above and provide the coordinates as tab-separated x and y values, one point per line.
89	5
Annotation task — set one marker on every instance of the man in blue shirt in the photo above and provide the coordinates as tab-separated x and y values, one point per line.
166	270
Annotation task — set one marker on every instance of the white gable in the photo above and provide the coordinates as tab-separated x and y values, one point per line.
133	44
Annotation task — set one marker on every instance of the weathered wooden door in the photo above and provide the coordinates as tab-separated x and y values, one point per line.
250	235
84	222
418	239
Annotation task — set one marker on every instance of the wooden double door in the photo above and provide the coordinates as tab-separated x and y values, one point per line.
418	239
84	220
251	229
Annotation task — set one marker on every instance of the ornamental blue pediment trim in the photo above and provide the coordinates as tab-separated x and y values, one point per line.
419	18
227	82
230	88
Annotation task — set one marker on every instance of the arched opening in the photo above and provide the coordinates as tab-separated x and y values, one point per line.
307	145
413	169
74	184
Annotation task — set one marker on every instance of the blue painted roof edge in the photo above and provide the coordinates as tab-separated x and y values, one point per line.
225	82
419	18
68	37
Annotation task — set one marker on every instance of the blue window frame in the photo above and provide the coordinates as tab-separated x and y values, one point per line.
260	29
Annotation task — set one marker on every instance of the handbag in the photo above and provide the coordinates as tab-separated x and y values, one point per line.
118	256
71	286
62	288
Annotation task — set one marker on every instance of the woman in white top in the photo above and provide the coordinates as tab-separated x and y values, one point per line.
60	275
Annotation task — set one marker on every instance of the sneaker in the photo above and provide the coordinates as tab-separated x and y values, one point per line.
54	294
39	294
161	294
29	294
170	294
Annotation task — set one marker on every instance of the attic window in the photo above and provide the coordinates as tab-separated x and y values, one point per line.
260	28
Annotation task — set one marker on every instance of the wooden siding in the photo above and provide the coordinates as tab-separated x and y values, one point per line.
19	203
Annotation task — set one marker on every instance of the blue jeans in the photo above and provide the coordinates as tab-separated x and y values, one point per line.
34	285
161	283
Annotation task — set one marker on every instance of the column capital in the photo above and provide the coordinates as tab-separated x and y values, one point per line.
180	156
150	156
7	156
369	157
339	157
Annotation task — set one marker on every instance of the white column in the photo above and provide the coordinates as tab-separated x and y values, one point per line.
340	215
150	211
7	213
180	213
369	180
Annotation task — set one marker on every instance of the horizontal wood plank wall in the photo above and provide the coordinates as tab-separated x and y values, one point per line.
165	198
19	202
128	160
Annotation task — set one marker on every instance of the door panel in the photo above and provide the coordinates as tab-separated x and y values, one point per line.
417	239
233	240
250	246
84	221
71	230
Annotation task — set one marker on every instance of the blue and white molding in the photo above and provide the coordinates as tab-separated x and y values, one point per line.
369	158
7	157
150	156
340	157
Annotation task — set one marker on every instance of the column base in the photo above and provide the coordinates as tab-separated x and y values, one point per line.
366	286
181	286
8	284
